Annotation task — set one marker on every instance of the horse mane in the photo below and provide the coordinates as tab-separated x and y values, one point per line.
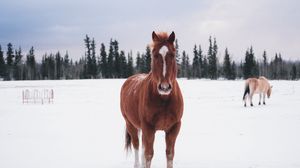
163	36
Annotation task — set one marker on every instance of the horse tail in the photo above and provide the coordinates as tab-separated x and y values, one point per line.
247	90
127	141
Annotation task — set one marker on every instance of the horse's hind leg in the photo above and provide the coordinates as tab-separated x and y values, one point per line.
259	99
251	96
264	98
171	136
134	134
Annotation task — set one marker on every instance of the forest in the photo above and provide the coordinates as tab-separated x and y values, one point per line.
112	62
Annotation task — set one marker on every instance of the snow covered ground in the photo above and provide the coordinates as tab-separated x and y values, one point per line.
84	128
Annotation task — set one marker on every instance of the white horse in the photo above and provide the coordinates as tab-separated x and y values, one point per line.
260	86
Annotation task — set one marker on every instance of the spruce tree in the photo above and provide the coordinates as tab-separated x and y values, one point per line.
250	68
93	65
58	65
147	60
31	65
103	61
139	63
233	71
195	64
183	68
66	66
188	67
117	61
205	67
227	65
87	73
44	68
265	64
17	68
2	65
123	65
130	68
212	59
9	61
294	72
200	56
110	60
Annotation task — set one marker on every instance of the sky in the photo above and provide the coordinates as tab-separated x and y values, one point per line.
61	25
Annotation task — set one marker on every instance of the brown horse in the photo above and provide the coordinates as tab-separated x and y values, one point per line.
153	101
260	86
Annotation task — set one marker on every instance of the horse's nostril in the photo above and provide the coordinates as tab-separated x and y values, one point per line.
164	87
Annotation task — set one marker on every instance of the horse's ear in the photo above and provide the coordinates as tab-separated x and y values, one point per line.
171	38
154	36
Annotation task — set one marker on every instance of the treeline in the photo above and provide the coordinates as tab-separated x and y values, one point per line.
116	63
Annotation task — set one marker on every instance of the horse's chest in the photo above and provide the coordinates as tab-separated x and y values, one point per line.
162	119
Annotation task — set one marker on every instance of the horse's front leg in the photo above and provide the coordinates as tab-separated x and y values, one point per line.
171	136
148	140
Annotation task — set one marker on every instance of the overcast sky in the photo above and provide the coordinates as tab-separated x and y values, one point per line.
52	25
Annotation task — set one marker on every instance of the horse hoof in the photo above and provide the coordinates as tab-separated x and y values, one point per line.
251	104
259	103
245	105
264	103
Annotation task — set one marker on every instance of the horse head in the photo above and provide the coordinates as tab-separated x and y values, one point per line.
163	64
269	91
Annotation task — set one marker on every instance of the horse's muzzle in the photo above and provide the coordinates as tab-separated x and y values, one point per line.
164	88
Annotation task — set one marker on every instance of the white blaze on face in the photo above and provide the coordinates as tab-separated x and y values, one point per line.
163	51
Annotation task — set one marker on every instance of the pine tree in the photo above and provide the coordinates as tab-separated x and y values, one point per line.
93	65
103	61
9	61
195	64
227	65
212	59
110	60
250	68
66	66
31	65
183	68
44	67
188	67
147	60
205	67
18	68
88	67
294	72
233	71
2	65
52	63
139	63
117	61
123	65
265	64
58	65
130	68
200	56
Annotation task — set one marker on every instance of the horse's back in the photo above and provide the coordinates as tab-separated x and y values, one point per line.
264	84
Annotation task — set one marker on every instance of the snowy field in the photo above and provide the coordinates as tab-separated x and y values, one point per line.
84	128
